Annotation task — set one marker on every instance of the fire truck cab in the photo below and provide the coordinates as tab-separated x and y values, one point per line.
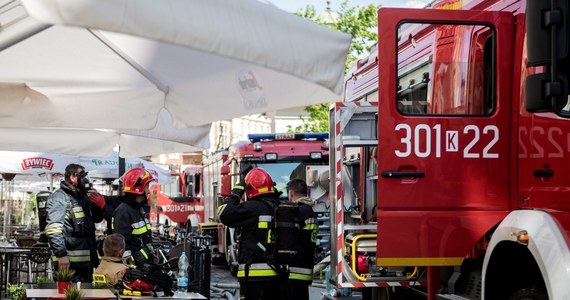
467	163
179	201
284	157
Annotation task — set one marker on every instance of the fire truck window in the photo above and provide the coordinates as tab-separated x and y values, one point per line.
445	69
172	190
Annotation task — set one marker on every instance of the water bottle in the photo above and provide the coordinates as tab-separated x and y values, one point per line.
182	282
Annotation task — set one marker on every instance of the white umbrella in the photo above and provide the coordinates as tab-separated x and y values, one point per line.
119	62
108	167
164	138
36	163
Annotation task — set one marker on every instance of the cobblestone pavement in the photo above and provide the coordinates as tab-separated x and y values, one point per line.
221	277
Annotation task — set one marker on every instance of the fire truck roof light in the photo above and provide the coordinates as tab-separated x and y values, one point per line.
270	156
256	137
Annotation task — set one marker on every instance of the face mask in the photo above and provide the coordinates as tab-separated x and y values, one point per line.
84	184
141	198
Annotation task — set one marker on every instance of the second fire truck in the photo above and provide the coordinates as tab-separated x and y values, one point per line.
284	157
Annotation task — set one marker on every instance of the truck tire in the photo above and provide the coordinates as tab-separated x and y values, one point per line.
234	270
530	293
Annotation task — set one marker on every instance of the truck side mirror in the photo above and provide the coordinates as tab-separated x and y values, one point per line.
539	19
226	184
547	45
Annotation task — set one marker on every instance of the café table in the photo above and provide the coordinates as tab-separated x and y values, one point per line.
160	295
53	294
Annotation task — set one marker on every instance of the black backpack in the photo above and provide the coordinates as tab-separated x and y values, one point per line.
286	232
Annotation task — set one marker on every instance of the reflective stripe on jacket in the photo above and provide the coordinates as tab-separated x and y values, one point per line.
254	219
256	270
130	220
70	226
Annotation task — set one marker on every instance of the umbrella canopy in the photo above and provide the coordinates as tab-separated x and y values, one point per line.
116	63
163	138
35	163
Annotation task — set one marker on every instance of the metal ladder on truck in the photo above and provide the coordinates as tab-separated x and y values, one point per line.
353	192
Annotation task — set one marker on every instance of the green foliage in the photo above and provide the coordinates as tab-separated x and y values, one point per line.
43	279
64	274
74	293
361	22
100	285
318	119
16	291
16	215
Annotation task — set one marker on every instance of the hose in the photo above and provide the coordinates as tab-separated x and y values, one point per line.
217	293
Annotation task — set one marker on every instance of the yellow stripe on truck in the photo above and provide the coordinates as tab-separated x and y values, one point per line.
419	261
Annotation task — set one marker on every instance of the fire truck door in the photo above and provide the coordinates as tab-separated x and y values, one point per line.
444	146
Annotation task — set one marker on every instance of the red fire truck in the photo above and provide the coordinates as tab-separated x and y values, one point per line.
462	192
179	201
284	157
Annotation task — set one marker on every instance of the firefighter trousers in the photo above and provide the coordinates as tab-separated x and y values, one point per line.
261	290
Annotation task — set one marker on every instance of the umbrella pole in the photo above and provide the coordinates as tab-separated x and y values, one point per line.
121	169
50	182
5	207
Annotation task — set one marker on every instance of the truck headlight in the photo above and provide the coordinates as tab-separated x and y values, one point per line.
316	155
270	156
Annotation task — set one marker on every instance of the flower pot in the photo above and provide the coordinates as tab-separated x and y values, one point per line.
47	285
62	286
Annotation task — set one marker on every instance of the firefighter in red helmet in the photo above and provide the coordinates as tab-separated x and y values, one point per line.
130	218
258	277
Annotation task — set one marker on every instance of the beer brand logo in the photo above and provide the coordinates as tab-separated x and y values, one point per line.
37	163
250	90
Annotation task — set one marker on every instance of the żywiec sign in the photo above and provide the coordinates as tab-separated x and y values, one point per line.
37	163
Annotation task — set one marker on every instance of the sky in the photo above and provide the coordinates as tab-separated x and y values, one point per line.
320	5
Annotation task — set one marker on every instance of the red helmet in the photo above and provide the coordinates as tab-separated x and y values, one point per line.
135	180
258	182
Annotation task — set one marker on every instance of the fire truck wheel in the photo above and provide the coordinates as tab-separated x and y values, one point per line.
234	270
230	256
531	293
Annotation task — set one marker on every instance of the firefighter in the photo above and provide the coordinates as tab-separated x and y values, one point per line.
112	265
130	218
70	224
301	269
257	276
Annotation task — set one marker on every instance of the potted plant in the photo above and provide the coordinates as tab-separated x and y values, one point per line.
74	293
16	291
43	282
63	278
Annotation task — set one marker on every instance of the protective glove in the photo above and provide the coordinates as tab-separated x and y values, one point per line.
158	278
139	260
97	199
238	190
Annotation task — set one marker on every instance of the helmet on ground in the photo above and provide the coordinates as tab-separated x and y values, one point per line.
258	182
135	180
136	280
